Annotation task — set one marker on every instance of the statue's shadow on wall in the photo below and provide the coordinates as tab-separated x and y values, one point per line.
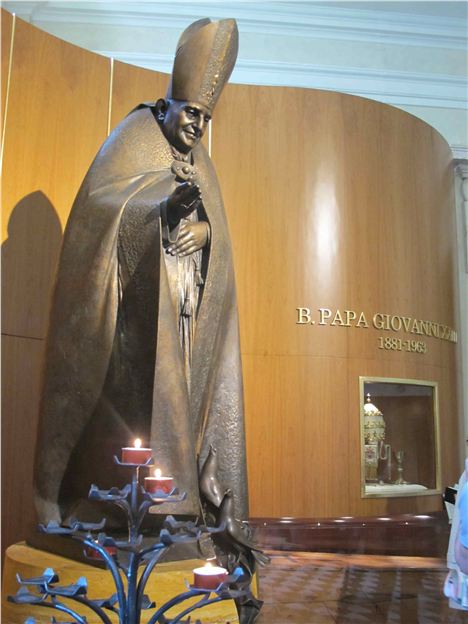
29	258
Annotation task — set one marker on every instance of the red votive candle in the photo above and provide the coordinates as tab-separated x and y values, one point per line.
209	576
136	454
94	554
152	484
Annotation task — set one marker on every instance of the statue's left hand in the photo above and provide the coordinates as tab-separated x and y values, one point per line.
192	237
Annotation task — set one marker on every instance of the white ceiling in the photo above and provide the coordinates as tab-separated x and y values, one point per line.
450	9
441	9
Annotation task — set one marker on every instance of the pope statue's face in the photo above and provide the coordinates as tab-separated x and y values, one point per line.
185	123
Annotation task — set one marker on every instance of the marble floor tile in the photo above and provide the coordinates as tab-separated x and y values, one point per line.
355	611
421	610
323	588
302	585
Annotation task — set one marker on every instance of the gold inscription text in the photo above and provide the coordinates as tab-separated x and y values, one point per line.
397	344
380	320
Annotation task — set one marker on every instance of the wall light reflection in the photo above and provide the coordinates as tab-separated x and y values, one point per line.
323	221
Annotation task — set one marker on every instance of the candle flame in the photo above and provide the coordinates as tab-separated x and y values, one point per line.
137	443
208	564
157	473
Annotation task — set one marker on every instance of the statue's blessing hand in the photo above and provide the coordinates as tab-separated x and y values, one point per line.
182	202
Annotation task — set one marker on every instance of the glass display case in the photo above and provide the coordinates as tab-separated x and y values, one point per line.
399	437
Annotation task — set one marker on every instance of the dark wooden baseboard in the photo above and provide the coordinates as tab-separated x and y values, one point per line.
424	535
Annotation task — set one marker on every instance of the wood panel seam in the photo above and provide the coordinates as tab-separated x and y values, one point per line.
210	127
21	336
111	88
10	65
345	357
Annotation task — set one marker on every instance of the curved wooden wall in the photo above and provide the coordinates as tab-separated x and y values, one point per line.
339	202
333	201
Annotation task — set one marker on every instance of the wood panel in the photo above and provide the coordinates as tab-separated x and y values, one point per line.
339	202
21	358
132	85
297	441
57	118
278	208
6	32
329	215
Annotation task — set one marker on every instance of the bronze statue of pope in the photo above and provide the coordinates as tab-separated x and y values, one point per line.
143	338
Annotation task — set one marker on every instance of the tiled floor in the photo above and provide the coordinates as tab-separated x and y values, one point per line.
318	588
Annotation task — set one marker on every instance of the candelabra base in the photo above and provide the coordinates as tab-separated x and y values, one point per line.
168	581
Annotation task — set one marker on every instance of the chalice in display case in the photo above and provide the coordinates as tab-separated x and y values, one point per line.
400	455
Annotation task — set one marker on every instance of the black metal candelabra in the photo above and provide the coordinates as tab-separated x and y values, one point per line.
124	559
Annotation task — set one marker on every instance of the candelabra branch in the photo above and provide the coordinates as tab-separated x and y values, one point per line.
174	602
142	511
198	605
153	548
97	610
24	597
147	572
113	569
61	607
